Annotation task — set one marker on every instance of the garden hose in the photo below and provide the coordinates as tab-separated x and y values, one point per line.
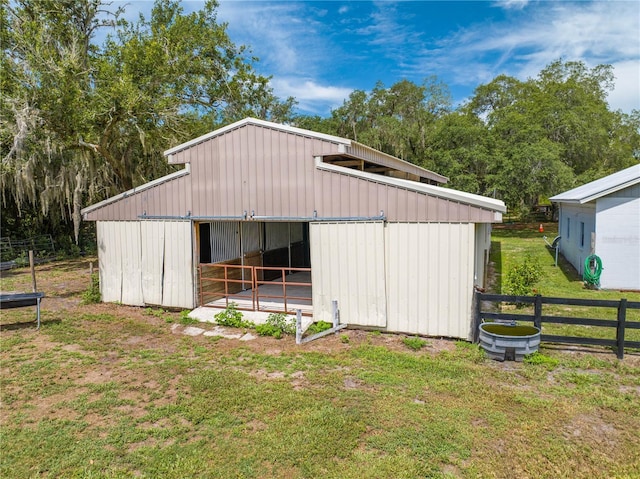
592	270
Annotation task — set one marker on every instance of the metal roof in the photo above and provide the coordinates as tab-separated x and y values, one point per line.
345	145
602	187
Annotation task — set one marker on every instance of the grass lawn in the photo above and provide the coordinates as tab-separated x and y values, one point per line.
109	391
510	243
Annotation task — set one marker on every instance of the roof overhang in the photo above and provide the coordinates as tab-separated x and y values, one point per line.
437	191
137	189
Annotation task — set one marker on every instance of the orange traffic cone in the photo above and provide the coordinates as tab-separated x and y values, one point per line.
541	229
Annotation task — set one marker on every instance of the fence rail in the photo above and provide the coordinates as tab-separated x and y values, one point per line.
538	318
231	282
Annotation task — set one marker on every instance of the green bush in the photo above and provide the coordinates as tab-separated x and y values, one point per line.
277	325
232	317
414	343
522	277
92	293
318	327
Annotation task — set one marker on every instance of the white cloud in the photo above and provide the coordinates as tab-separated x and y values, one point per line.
512	4
283	35
626	95
310	95
598	32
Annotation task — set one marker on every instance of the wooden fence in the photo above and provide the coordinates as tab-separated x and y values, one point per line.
538	318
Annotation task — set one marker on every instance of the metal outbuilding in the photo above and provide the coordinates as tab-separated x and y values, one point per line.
603	218
263	207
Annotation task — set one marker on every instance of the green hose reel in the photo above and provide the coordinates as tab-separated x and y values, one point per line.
592	270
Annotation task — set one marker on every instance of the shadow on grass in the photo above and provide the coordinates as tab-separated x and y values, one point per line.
31	324
569	272
494	282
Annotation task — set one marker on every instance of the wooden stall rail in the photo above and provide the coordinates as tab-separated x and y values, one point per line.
240	284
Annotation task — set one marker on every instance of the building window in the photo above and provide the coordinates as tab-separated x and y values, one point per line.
568	228
582	234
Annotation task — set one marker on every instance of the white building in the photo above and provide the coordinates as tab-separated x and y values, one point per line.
603	218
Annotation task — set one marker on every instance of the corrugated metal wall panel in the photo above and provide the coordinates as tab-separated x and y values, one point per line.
109	261
276	235
131	251
177	285
430	278
146	262
120	262
617	241
152	234
225	241
347	265
296	230
251	237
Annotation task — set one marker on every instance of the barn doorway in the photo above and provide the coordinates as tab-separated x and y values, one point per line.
259	266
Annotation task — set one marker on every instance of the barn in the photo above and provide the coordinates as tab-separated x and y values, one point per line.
277	218
603	218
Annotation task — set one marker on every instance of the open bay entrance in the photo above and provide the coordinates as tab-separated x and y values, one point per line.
260	266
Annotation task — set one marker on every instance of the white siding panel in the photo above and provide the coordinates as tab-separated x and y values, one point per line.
572	246
130	250
347	265
177	287
618	242
430	272
152	237
109	260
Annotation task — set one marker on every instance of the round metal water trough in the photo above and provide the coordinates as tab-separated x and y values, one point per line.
508	341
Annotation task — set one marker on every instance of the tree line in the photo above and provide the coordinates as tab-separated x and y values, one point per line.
83	120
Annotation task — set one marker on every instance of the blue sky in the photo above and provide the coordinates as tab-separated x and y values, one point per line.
319	52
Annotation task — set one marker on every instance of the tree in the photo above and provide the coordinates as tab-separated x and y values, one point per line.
82	122
553	132
395	120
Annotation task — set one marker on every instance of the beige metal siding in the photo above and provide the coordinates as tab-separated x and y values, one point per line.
273	173
177	285
430	278
145	262
152	234
347	265
109	260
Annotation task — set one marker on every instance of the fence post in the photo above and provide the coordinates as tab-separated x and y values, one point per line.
622	317
477	317
537	312
299	326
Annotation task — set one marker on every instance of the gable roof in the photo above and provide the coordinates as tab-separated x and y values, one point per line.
602	187
346	147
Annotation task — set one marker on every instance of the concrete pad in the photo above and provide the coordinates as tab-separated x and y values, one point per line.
192	331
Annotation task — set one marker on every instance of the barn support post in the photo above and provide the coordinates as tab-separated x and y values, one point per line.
622	317
537	312
477	316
